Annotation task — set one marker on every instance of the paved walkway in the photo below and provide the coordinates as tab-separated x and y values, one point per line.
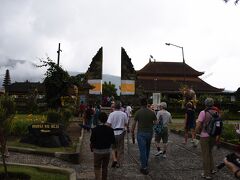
182	163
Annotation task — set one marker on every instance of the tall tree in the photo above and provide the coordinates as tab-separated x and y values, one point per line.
7	79
56	83
235	2
7	111
109	89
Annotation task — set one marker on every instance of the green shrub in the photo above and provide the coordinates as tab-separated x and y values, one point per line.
19	128
61	117
54	117
20	123
66	115
229	132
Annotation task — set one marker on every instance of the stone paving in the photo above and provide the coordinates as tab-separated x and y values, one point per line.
183	162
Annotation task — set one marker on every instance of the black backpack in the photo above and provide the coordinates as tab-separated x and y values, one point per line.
214	125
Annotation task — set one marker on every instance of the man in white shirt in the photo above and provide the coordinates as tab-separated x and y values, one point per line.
129	111
118	120
129	114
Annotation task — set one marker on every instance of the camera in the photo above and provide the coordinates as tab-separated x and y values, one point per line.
233	158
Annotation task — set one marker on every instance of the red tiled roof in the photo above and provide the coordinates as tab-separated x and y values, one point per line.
198	86
168	69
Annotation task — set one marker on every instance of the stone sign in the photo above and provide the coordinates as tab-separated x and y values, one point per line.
47	135
46	128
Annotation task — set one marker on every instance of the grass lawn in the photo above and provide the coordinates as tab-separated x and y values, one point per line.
38	173
228	134
176	126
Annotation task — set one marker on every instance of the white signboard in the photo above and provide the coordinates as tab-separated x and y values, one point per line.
156	98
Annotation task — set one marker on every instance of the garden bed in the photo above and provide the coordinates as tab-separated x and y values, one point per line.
14	142
36	173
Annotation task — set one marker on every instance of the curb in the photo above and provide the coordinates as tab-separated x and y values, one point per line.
71	172
30	151
79	149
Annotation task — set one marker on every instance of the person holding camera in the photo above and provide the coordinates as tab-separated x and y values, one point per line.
206	141
232	167
232	161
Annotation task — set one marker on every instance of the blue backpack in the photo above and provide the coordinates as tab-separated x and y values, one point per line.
158	128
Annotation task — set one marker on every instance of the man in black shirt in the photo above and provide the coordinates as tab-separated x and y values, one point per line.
101	139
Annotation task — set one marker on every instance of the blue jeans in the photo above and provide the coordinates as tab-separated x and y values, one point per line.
144	142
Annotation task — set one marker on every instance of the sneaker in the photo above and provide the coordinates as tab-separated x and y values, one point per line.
213	171
195	142
192	141
164	156
158	153
144	171
205	177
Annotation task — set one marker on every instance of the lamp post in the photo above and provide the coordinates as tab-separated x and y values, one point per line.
59	50
169	44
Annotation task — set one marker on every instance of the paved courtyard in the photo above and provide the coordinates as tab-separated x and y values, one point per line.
183	162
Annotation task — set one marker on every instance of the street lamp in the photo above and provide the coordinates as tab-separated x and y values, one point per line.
169	44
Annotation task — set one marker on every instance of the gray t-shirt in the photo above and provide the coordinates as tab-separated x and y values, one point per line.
165	116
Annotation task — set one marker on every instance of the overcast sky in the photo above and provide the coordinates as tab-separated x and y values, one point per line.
208	31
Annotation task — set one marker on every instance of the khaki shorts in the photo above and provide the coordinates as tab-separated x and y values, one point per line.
163	136
119	141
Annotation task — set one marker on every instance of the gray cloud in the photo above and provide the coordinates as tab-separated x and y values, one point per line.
207	31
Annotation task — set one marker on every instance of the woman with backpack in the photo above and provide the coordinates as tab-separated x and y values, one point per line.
207	140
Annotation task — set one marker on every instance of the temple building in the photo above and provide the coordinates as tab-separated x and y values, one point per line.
164	80
168	78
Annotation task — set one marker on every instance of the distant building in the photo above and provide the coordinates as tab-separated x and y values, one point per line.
2	91
28	96
20	89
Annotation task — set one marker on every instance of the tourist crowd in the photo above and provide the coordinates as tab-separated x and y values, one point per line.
108	133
